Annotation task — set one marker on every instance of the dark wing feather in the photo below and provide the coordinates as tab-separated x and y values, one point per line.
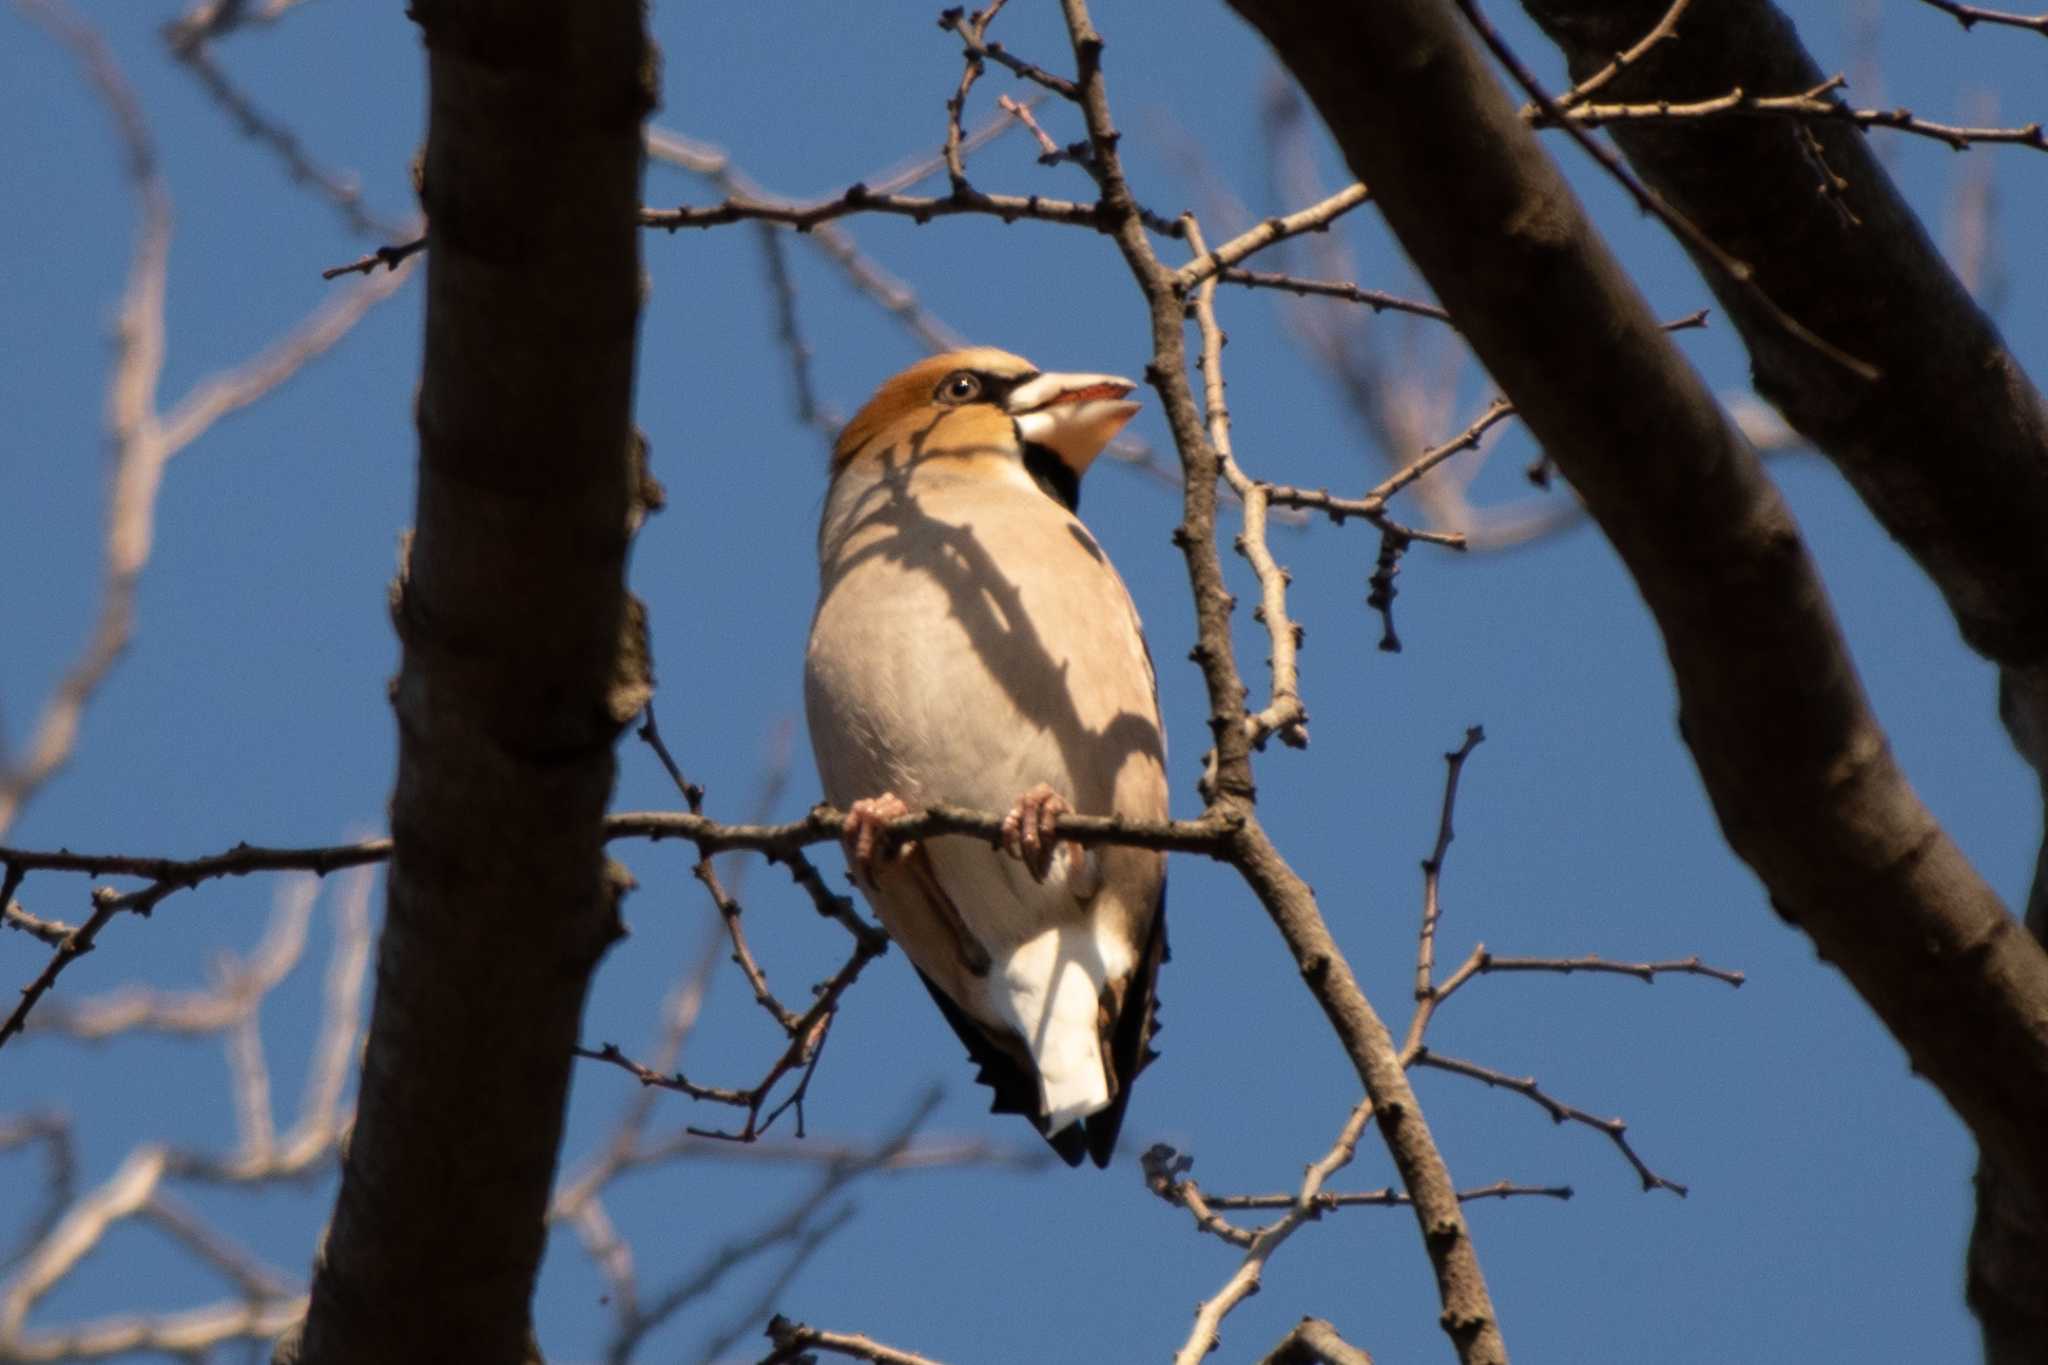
1015	1083
1130	1043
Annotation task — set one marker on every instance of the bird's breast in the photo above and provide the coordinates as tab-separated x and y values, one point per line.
971	640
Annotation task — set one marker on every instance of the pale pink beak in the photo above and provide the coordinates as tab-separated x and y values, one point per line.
1072	415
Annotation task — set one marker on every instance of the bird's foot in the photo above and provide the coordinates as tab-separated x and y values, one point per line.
865	836
1029	836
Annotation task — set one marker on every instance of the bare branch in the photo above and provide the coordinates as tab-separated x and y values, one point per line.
1433	865
1372	507
1049	152
858	198
1284	714
794	1340
1560	1112
1203	1336
971	29
1665	29
50	931
1314	1340
807	1035
1387	1197
1809	105
1641	971
390	257
971	32
78	1232
1374	299
1314	218
1971	15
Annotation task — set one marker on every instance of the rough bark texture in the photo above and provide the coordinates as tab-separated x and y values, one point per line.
1950	450
1798	771
514	685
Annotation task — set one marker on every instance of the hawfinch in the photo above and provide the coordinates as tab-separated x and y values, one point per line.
973	645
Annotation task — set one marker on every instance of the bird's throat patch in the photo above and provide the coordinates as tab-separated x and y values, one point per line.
1054	476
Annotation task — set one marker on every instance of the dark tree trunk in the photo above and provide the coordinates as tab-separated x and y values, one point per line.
518	674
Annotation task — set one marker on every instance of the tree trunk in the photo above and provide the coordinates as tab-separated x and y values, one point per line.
518	673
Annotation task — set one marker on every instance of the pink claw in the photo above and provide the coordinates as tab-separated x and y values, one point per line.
864	833
1029	833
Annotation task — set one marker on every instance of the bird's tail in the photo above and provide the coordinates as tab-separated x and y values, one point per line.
1053	991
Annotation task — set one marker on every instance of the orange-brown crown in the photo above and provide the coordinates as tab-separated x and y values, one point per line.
905	398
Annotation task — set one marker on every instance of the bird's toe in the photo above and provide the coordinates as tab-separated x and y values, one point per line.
864	837
1030	830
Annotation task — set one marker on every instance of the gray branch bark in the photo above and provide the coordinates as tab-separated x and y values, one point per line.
1799	773
519	670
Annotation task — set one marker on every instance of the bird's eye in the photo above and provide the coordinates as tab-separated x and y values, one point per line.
961	386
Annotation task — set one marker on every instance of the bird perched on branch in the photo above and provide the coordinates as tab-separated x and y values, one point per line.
973	645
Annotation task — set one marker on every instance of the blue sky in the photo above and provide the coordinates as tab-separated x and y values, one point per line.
1830	1188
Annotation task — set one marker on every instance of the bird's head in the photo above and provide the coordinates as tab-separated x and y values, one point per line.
983	400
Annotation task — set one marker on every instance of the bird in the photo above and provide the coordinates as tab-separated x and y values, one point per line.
972	644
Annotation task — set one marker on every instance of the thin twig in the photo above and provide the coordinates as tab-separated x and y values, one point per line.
1387	1197
1433	865
1203	1337
1372	506
794	1341
807	1035
1315	1342
858	198
1646	972
1560	1112
50	931
390	257
1284	714
1049	151
972	29
1664	29
1970	15
1810	105
972	32
706	872
1377	300
1315	218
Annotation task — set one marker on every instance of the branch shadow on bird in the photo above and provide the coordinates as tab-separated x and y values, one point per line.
887	522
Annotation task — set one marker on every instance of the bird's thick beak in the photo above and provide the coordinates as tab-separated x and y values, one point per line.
1072	415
